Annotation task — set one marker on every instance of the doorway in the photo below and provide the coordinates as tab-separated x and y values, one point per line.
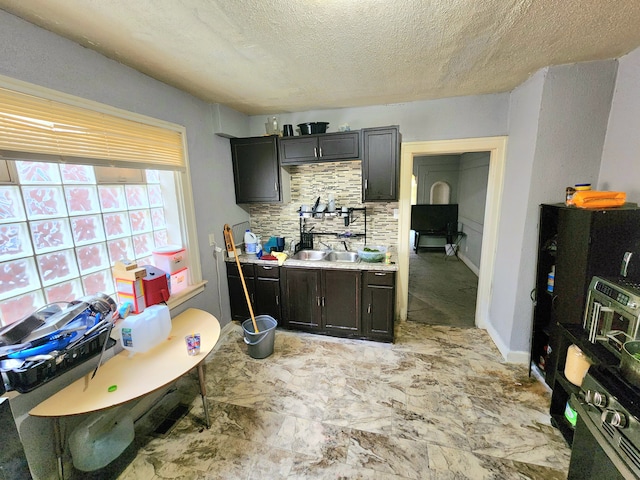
497	148
443	274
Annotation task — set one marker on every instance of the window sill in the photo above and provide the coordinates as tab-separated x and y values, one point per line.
185	295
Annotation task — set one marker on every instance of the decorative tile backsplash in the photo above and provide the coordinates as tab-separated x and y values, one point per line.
344	181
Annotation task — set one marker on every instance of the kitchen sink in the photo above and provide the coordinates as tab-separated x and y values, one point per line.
342	257
310	255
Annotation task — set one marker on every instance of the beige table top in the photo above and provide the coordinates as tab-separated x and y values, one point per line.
136	375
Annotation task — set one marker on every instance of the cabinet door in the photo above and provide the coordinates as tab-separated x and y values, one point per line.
256	169
237	298
342	146
378	302
296	150
301	307
341	301
267	297
267	291
380	164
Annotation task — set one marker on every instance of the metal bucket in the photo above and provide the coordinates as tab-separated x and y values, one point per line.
260	344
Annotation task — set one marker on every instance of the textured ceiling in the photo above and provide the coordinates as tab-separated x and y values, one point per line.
276	56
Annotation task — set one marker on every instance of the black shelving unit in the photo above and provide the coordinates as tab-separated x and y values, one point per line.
565	335
308	232
577	244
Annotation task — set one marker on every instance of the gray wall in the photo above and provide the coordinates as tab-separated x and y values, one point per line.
467	174
557	128
460	117
34	55
474	173
434	168
619	170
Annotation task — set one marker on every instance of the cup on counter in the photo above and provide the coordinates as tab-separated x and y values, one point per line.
193	344
279	244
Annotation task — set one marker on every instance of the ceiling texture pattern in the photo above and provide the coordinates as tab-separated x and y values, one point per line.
278	56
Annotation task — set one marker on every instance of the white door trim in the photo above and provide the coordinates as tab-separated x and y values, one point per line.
497	146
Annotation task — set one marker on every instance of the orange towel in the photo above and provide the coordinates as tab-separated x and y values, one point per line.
596	199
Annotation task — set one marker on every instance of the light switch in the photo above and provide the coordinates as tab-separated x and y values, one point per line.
212	240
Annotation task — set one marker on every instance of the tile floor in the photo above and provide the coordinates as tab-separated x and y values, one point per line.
437	404
442	289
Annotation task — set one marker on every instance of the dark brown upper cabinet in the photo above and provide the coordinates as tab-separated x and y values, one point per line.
380	164
257	175
327	147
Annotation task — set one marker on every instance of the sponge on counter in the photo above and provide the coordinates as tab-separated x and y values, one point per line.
281	256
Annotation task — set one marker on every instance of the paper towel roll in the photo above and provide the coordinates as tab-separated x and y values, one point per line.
576	365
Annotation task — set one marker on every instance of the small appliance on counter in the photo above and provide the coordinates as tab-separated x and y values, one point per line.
612	313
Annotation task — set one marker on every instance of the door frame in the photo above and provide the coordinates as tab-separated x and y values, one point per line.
497	147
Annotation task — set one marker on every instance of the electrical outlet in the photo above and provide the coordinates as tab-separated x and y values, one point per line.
396	213
212	240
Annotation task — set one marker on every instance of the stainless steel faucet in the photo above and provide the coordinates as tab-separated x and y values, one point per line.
328	247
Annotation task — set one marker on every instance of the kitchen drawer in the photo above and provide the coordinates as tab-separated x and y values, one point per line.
267	271
379	278
247	270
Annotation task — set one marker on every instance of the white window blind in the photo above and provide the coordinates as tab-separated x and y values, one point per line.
66	133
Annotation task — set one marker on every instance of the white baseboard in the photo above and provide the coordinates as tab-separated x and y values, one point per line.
510	356
468	263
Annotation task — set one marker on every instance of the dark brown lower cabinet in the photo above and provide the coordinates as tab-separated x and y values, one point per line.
335	302
341	301
237	298
263	285
378	300
301	298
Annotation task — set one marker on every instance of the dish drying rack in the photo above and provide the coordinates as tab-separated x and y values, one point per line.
353	215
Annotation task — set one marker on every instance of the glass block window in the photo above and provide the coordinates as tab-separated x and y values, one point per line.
62	229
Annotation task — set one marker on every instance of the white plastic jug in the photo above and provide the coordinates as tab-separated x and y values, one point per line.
250	242
139	333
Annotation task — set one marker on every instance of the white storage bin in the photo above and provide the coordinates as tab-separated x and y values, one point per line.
179	281
171	258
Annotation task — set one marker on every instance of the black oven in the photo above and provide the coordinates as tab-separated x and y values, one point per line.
606	440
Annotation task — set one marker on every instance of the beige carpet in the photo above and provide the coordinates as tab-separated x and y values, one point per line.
442	290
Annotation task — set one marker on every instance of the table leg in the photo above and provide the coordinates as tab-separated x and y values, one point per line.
58	446
203	393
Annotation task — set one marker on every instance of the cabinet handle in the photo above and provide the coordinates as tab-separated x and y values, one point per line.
365	183
320	152
267	268
277	299
369	309
323	301
252	299
380	274
315	152
318	300
275	186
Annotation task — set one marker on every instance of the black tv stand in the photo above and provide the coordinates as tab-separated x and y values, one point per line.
452	237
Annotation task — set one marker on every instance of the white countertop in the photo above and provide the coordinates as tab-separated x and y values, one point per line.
290	262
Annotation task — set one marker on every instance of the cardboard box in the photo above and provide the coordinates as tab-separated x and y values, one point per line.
128	271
